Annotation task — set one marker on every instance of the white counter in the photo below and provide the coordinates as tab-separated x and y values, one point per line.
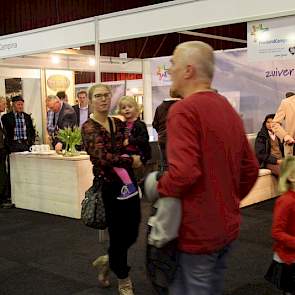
50	183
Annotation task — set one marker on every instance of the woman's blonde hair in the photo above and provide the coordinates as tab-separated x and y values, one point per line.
128	99
287	174
95	86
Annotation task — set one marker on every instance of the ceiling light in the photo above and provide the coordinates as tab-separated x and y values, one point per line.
55	59
263	36
91	61
291	38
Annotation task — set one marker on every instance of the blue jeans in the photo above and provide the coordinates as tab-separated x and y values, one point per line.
200	274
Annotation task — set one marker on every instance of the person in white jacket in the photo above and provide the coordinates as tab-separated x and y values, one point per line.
286	113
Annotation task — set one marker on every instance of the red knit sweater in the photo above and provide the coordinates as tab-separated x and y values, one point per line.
283	227
211	168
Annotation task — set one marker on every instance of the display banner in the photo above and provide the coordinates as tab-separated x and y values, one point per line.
255	89
159	70
271	39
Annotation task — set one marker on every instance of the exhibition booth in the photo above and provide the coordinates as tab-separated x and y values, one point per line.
254	79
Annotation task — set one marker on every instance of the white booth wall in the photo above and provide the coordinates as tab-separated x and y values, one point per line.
31	89
2	87
33	105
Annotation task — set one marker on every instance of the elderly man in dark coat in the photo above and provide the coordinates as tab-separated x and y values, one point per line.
20	132
64	116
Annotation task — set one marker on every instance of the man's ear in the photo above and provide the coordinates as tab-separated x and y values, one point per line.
189	72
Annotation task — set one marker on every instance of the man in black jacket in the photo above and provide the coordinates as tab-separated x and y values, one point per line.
159	123
64	116
20	132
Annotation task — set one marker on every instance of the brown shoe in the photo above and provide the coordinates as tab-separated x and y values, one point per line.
102	263
125	287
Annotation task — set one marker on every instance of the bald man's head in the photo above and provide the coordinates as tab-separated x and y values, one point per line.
192	64
200	55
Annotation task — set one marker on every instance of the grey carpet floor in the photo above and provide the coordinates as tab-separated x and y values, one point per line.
43	254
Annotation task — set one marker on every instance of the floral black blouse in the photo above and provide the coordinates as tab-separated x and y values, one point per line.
98	144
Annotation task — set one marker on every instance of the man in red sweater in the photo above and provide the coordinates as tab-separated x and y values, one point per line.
211	168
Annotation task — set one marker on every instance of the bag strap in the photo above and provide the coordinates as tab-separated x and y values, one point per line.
113	141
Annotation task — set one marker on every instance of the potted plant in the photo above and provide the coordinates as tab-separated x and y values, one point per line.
70	137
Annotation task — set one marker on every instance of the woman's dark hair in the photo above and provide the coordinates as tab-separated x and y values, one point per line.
289	94
269	116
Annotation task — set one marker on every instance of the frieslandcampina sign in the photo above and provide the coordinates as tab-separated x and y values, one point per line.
271	39
8	46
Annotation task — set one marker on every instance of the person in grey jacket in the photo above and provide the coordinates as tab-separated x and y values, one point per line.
64	116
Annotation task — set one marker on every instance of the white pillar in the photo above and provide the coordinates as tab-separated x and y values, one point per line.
2	87
97	52
147	96
45	138
33	103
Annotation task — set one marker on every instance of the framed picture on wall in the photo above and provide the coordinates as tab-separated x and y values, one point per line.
60	80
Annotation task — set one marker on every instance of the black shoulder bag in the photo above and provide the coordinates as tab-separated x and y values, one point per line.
93	210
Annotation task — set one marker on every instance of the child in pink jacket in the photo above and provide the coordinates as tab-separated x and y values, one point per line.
282	270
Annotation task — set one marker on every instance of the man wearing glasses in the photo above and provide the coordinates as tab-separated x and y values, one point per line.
64	116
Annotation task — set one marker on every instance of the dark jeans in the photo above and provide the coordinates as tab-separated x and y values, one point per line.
163	157
200	274
4	177
123	219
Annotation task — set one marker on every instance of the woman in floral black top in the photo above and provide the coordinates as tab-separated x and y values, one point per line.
123	216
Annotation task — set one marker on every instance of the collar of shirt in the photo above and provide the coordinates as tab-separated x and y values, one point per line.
57	114
83	108
18	115
61	104
272	135
83	116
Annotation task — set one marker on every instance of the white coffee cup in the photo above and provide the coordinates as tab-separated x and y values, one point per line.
35	148
44	148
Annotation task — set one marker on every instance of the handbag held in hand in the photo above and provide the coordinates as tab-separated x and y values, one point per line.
93	211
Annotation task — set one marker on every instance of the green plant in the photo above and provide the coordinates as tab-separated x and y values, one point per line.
70	137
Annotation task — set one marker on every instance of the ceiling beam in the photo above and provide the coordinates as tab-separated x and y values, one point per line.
74	63
210	36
